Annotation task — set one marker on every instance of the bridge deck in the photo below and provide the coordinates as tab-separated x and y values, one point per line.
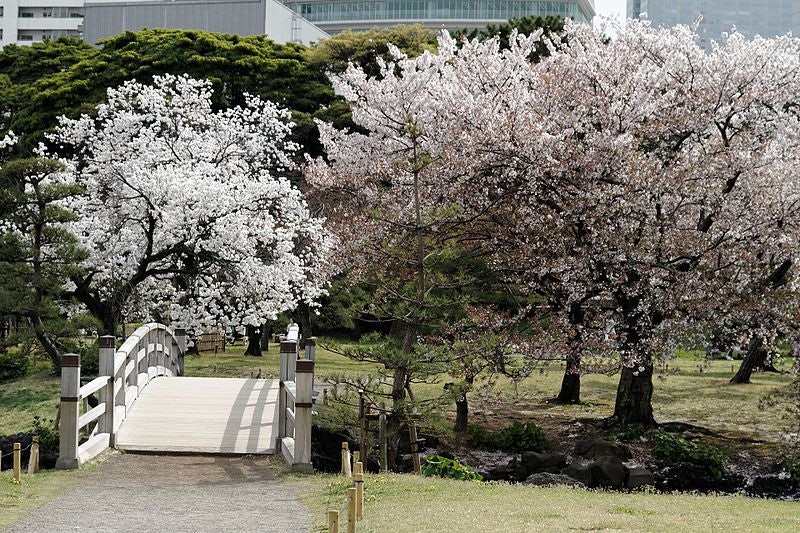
203	415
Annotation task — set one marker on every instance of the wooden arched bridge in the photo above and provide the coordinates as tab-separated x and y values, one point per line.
147	404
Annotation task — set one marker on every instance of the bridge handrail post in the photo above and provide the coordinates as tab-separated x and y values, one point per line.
107	355
302	414
311	348
287	349
70	401
180	337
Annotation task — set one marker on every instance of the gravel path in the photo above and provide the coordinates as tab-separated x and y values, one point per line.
174	493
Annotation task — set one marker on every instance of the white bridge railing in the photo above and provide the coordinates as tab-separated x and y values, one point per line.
151	351
294	404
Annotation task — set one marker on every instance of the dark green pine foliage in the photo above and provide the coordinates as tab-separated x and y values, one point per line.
37	255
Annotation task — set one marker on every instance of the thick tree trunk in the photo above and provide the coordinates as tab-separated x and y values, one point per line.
47	344
570	392
266	332
462	414
756	358
253	341
635	395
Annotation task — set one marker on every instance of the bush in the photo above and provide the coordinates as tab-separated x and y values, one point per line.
48	437
517	437
676	448
438	466
13	365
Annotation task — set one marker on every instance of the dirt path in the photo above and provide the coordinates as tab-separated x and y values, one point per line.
174	493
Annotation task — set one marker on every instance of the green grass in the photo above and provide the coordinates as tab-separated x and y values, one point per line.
405	503
34	395
17	500
233	363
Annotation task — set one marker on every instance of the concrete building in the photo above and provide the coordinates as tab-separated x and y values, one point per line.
31	21
337	15
104	18
767	18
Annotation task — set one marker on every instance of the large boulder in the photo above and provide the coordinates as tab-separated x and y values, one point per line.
608	472
512	470
543	479
595	449
579	473
534	462
639	477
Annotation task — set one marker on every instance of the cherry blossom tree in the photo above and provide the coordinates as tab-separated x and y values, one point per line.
187	214
638	178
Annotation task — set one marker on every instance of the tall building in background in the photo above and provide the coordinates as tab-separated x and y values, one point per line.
31	21
767	18
336	15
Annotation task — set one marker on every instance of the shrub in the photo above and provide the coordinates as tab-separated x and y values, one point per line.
676	448
517	437
48	437
438	466
13	364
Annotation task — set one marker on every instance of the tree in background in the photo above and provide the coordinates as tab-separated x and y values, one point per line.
187	213
68	78
38	254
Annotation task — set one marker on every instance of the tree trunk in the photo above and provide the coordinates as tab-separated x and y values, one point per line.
756	358
47	344
266	332
253	341
462	414
635	395
570	392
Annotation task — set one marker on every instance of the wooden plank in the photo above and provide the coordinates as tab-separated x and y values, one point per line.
203	415
94	414
93	386
93	447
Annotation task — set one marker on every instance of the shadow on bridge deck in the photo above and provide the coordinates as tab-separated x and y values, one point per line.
203	415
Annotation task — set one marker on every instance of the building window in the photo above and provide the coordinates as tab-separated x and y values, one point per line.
25	37
25	14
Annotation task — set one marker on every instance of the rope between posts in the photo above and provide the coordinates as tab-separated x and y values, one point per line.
20	451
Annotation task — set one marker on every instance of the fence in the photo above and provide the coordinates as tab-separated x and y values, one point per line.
211	342
152	350
295	399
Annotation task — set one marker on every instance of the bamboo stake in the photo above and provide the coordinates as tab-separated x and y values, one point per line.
412	436
17	461
383	457
359	482
33	462
346	460
356	459
351	510
333	521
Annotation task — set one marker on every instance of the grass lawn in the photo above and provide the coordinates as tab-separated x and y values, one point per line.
234	364
405	503
36	394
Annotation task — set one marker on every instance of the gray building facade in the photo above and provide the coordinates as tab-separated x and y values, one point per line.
337	15
767	18
104	18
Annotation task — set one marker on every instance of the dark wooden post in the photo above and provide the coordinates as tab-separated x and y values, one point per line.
68	424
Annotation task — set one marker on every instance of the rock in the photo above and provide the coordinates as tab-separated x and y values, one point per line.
579	473
608	472
511	471
639	477
691	477
595	449
543	462
543	479
326	448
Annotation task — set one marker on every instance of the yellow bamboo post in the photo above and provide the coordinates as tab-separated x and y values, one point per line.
356	459
351	510
412	436
346	460
358	477
33	462
17	461
333	521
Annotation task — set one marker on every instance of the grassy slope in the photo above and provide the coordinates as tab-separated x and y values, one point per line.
22	399
404	503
